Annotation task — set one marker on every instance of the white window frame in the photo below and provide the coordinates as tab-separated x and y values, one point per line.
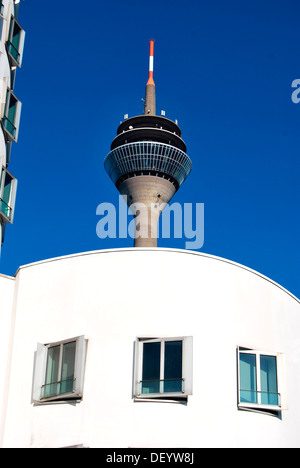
259	405
17	63
12	195
41	365
187	368
10	136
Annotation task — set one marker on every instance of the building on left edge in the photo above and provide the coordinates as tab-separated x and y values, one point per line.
12	37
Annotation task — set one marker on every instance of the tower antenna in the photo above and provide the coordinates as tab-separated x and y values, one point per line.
149	108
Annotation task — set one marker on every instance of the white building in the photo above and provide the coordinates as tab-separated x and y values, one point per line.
147	347
12	38
141	347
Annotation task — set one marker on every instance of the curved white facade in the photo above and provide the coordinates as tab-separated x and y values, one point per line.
112	298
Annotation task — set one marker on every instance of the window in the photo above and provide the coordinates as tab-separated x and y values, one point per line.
8	188
258	380
11	118
59	370
15	43
163	367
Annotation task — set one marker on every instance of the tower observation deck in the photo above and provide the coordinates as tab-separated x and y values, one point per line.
148	163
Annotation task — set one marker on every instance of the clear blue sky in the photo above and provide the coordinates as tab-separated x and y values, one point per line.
223	69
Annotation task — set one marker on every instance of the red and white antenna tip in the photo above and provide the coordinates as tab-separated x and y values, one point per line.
151	62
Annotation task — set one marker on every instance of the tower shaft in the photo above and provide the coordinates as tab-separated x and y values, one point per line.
146	196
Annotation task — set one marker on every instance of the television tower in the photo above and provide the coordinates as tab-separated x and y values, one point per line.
148	163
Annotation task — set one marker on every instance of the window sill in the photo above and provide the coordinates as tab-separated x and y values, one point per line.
62	397
63	400
179	400
5	218
271	410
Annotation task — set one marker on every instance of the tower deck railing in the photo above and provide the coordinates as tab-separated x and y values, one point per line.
154	157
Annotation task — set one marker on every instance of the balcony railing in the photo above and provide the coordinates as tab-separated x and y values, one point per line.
10	127
5	209
161	386
13	52
260	398
61	387
148	157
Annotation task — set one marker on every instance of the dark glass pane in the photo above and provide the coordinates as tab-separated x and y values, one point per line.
9	126
67	370
14	40
268	375
7	188
151	368
5	205
150	386
16	36
12	109
248	390
66	386
151	361
173	366
52	365
173	385
173	360
51	387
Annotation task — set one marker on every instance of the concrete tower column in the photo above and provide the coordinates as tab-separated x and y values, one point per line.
146	196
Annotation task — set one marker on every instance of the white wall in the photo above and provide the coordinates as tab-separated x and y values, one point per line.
112	297
7	287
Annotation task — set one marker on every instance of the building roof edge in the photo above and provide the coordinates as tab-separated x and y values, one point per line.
156	249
